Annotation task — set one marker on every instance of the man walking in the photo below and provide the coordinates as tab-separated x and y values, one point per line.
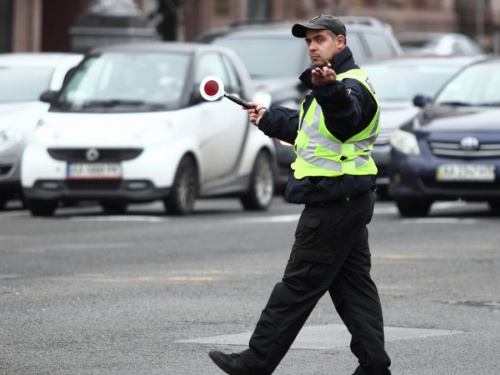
334	177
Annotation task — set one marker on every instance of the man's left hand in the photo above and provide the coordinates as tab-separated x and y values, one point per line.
322	76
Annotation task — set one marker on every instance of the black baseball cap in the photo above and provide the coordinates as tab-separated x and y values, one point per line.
321	22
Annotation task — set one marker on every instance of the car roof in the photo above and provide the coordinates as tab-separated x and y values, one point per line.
427	60
425	35
184	47
37	59
284	27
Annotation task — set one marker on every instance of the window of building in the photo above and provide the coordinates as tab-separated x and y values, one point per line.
259	9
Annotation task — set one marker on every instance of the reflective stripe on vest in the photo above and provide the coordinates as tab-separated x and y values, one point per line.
319	153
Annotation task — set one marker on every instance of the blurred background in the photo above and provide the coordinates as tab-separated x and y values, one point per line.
77	25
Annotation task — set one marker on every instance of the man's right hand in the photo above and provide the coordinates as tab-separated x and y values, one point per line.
255	113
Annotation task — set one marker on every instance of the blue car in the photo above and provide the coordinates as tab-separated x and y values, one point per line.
451	149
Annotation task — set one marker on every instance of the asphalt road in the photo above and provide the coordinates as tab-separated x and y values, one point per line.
145	293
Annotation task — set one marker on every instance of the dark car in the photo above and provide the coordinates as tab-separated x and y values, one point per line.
451	149
275	59
396	82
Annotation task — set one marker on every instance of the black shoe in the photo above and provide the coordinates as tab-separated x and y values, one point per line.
229	363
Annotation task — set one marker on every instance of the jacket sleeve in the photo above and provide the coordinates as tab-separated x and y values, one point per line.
347	105
281	123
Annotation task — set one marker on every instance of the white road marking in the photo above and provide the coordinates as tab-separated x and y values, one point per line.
323	337
125	218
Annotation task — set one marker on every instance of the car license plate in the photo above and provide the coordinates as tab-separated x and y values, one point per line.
94	170
465	172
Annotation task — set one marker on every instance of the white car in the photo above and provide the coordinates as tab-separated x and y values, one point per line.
132	126
24	77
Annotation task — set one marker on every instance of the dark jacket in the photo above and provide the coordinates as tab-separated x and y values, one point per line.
348	108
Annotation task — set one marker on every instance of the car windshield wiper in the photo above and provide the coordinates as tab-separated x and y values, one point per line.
120	102
490	104
456	104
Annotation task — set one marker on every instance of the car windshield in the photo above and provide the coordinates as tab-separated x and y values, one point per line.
476	86
23	84
403	82
283	64
127	79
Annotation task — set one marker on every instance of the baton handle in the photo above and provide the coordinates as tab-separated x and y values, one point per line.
238	101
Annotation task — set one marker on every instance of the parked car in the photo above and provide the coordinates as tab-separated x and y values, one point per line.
275	60
439	43
130	125
397	81
451	150
24	76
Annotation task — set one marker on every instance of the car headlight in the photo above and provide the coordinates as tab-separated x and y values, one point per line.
405	142
9	137
43	132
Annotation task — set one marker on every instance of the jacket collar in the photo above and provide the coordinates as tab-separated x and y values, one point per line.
341	63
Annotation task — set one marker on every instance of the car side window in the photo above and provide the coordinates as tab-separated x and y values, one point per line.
212	64
233	84
357	48
379	46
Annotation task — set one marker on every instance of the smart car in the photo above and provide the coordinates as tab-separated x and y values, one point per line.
24	76
131	125
451	149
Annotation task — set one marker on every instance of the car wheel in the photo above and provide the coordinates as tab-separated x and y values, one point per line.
39	207
115	208
3	202
261	189
413	207
383	193
185	188
494	205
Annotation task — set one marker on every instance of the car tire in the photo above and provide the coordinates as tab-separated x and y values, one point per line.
3	202
39	207
261	190
413	207
185	188
383	193
114	208
494	205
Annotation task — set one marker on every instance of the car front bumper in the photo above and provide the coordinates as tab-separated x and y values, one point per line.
95	189
416	177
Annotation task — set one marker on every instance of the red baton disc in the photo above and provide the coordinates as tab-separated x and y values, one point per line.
211	88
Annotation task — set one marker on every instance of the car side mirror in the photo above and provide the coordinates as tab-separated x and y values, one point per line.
196	98
421	100
49	96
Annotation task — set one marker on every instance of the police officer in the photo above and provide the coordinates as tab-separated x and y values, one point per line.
334	176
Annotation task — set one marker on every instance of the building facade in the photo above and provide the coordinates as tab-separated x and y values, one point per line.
46	25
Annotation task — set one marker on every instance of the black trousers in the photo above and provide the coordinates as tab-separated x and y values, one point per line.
330	254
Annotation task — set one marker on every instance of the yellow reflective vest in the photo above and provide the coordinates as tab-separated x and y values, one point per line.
319	153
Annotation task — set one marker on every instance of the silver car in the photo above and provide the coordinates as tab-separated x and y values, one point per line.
23	77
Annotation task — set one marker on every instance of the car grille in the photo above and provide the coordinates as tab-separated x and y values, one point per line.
92	185
5	169
452	149
105	154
